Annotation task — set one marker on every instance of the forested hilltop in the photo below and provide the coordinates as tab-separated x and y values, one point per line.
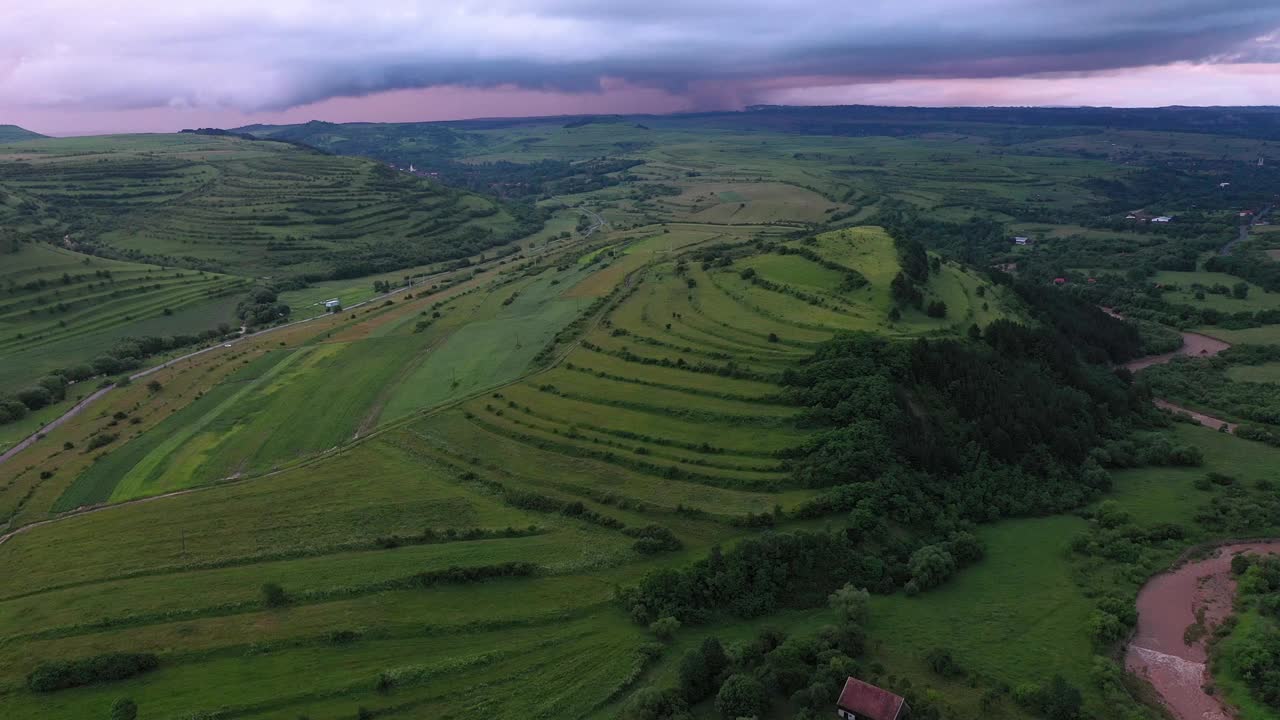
653	417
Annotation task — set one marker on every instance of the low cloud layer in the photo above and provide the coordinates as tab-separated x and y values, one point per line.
271	55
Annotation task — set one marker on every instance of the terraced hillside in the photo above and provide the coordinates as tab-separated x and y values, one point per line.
636	420
61	308
253	208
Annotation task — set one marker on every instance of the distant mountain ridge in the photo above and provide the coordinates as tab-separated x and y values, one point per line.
13	133
1260	122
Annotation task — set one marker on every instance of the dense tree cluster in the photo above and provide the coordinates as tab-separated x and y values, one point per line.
1001	427
761	575
261	307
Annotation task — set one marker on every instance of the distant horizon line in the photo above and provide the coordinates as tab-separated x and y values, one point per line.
746	109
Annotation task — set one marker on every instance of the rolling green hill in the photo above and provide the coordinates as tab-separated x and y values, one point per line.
13	133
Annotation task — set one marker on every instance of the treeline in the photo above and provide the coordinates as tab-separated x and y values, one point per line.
763	575
62	674
219	132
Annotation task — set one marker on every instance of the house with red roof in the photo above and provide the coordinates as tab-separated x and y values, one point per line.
864	701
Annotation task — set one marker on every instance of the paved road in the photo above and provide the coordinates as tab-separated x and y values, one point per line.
1244	231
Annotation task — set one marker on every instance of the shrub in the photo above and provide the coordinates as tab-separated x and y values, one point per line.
124	709
653	704
274	596
943	663
100	440
664	628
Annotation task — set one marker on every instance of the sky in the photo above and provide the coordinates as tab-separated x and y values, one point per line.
96	66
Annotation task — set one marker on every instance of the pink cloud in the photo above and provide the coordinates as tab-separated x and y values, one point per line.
1176	84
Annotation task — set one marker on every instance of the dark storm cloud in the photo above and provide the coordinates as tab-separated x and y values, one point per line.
253	55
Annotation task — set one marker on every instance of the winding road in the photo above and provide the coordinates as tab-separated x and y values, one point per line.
1244	231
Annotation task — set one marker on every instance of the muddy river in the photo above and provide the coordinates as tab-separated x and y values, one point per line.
1193	345
1199	591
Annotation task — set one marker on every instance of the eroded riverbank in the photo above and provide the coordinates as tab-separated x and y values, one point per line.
1177	611
1193	345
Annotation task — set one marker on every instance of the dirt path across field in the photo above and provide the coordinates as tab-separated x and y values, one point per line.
1186	603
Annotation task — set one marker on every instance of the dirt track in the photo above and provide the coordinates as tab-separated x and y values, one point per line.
1202	592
